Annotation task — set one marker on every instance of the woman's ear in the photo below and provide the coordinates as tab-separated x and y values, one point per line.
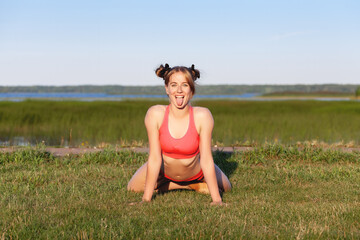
167	89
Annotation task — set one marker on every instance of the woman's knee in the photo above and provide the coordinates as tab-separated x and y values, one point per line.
223	181
135	187
227	185
137	181
130	186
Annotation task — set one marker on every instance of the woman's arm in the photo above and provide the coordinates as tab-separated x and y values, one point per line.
152	119
206	159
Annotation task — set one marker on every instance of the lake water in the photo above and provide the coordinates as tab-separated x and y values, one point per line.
104	96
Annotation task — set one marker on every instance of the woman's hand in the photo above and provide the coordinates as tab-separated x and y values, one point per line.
220	203
138	203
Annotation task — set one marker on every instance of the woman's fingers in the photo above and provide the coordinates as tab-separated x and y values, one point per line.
138	203
218	204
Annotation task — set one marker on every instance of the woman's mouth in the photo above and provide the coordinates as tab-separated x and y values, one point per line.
179	100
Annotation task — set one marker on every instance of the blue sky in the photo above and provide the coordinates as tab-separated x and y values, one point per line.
75	42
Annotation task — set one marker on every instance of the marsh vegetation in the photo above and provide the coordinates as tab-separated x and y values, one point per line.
98	123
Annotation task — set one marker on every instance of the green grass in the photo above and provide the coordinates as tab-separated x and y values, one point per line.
278	192
317	94
236	122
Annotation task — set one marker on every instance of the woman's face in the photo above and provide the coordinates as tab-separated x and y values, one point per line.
178	90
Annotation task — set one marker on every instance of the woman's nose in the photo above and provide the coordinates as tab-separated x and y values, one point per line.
179	89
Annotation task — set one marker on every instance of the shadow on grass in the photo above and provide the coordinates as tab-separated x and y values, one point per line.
221	159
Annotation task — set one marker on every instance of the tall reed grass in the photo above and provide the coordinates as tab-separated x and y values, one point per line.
236	122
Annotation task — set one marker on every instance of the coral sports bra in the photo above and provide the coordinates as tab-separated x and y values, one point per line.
180	148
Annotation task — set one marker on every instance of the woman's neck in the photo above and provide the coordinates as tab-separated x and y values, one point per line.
179	113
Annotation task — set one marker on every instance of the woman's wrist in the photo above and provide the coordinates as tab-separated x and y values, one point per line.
145	199
147	196
216	198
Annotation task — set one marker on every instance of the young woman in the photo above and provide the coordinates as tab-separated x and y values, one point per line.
179	135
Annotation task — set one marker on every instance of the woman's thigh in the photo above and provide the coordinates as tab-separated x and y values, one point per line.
137	182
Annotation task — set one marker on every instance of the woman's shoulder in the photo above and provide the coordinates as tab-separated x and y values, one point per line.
202	114
156	112
157	109
201	111
154	116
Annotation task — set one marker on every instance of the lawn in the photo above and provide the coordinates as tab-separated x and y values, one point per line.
278	192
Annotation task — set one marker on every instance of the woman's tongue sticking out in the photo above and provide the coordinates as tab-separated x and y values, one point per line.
179	100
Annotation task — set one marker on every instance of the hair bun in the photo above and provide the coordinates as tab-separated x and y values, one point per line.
163	71
195	72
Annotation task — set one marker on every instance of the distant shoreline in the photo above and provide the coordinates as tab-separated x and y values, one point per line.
332	89
85	98
321	92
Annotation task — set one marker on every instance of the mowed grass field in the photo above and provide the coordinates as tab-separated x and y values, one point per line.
100	123
278	193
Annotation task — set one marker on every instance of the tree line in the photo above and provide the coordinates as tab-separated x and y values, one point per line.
201	89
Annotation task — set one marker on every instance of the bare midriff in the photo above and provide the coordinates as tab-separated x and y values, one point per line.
181	169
